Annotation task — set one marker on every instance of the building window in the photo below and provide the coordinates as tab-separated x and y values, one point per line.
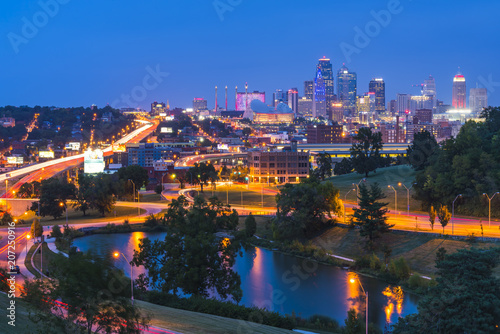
271	165
256	165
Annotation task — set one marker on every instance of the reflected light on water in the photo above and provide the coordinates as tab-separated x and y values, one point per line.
136	240
395	297
354	293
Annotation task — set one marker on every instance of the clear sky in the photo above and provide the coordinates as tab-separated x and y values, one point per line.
82	52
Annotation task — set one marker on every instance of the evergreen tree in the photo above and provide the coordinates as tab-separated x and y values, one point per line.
324	161
250	225
365	153
371	214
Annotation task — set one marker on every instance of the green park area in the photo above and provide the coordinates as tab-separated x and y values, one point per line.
241	195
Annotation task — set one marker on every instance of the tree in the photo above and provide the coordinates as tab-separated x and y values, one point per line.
103	193
365	153
192	257
53	192
324	161
423	147
158	188
250	225
36	229
6	218
353	323
136	174
301	208
56	232
443	215
29	190
82	198
371	215
343	167
96	294
466	298
202	173
432	216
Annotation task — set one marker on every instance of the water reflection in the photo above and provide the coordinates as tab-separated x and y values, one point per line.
285	283
395	296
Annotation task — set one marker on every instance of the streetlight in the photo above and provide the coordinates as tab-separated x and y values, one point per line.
117	255
395	199
407	195
28	236
453	211
60	204
346	200
138	209
353	280
489	206
357	189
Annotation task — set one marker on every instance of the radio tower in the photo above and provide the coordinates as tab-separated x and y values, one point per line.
226	97
236	98
216	99
246	96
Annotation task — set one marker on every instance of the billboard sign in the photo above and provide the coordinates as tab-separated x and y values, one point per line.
46	154
74	146
15	160
93	162
166	130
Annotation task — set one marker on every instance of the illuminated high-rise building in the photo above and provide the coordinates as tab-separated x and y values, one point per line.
346	89
309	89
478	99
293	99
158	107
199	104
319	101
459	92
325	66
279	96
377	86
403	103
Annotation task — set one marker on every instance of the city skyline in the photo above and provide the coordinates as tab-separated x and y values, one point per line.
84	55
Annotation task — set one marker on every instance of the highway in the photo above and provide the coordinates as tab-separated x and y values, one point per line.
50	168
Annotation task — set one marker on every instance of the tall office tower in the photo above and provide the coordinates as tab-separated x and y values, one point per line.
392	106
403	103
430	90
319	101
459	92
293	99
279	96
325	67
199	104
305	107
346	89
377	86
478	99
309	89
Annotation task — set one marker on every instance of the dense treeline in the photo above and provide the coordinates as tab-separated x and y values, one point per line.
468	165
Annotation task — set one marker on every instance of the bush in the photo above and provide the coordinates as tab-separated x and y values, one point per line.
400	269
416	282
250	225
56	232
159	188
375	263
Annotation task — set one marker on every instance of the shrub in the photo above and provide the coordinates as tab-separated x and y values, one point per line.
400	269
416	281
375	263
250	225
56	232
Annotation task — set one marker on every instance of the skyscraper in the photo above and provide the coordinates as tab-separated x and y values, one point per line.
279	96
199	104
293	99
377	86
478	99
319	102
403	103
459	92
325	67
346	89
429	89
309	89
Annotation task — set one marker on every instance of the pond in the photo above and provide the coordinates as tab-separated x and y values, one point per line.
285	283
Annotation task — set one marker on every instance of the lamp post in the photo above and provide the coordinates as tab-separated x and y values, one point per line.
353	280
346	200
357	189
138	209
60	204
453	212
28	236
395	199
489	206
407	196
117	255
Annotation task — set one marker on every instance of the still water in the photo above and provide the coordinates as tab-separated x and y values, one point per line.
284	283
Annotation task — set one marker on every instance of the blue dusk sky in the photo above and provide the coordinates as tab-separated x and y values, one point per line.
130	53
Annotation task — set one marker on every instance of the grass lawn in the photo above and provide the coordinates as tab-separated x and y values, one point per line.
151	198
235	192
48	257
263	226
76	217
23	323
419	250
188	322
384	177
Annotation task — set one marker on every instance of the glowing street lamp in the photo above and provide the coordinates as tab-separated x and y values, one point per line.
407	196
117	255
28	237
353	281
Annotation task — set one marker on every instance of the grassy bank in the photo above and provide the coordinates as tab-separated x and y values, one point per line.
23	322
251	197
